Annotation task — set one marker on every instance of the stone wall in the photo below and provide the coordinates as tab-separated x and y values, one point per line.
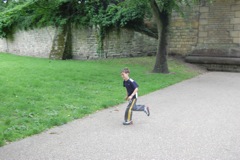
184	31
84	43
36	43
214	26
127	43
220	25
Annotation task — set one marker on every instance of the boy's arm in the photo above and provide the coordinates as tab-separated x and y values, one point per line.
126	98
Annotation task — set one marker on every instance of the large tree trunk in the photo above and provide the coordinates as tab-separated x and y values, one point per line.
162	20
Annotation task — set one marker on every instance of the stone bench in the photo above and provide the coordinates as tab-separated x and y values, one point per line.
216	59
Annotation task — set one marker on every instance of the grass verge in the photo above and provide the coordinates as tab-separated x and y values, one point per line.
37	94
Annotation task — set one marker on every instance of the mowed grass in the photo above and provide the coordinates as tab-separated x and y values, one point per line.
37	94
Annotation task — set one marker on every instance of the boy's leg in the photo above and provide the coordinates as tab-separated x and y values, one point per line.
128	111
141	108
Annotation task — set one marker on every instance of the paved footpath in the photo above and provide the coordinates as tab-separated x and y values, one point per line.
198	119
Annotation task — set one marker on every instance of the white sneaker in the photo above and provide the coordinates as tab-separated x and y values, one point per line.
146	110
128	123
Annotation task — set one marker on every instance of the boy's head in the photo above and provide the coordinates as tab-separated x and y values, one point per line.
125	73
125	70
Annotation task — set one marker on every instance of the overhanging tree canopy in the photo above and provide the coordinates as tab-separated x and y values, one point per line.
28	14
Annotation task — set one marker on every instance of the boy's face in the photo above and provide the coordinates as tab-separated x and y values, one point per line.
124	76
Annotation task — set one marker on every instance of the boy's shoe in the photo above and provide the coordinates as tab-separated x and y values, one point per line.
128	123
146	110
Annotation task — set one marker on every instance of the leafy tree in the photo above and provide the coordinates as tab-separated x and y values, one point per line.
162	10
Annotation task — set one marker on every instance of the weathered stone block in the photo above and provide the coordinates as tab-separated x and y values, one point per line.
203	21
195	25
235	34
204	15
204	9
179	23
203	34
235	21
236	40
236	27
237	14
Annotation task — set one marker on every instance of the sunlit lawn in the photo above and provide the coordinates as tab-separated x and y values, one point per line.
37	94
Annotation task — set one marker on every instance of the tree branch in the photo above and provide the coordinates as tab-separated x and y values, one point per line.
145	29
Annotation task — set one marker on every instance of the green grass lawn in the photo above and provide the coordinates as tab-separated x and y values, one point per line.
37	94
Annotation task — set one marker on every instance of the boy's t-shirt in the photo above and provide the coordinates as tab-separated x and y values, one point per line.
130	85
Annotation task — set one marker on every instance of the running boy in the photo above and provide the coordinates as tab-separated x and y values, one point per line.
132	95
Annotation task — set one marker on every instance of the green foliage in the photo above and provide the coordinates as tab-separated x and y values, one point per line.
119	15
10	17
108	14
33	14
40	13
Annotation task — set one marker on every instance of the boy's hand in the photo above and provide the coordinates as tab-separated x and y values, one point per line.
129	98
126	98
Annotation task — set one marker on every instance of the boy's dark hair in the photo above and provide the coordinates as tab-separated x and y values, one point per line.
125	70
